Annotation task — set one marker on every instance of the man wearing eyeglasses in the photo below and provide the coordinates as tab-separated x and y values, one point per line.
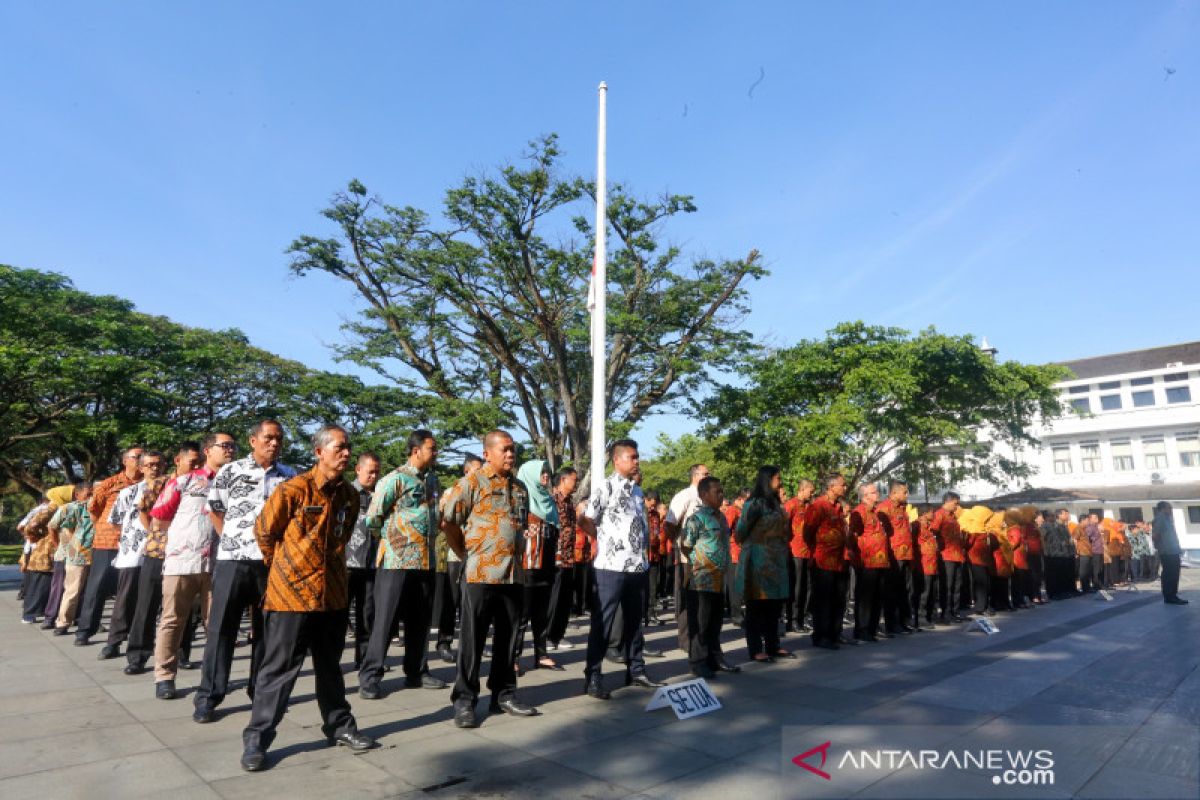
188	563
102	580
236	497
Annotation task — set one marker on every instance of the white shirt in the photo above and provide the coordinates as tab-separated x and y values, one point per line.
189	549
125	516
240	491
618	511
685	503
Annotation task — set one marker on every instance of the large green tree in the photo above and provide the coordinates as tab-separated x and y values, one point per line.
875	402
483	303
668	471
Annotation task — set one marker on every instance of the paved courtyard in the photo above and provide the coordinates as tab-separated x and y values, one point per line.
72	726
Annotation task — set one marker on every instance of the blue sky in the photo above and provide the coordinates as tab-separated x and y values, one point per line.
1026	171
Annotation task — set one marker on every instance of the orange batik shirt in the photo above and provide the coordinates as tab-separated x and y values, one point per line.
825	534
302	532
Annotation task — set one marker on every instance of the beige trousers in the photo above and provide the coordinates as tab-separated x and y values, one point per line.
178	594
74	580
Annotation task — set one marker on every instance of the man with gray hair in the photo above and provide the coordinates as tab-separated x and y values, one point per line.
238	494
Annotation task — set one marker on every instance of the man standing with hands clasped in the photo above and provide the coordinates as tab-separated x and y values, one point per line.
615	518
302	533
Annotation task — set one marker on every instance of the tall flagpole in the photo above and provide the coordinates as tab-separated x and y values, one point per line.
599	298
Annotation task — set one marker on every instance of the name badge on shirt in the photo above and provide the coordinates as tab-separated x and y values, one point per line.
313	509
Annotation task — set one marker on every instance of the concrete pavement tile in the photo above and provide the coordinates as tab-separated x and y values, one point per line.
32	702
537	778
1119	782
217	759
144	775
347	776
733	778
24	727
635	762
77	747
547	734
1176	754
444	756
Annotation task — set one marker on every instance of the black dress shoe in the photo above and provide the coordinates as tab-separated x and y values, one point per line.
61	631
595	688
725	666
1176	601
253	759
426	681
187	663
108	651
650	652
704	672
370	691
82	641
48	625
848	640
134	669
355	740
884	635
510	705
202	715
907	629
826	645
464	717
445	654
643	680
165	690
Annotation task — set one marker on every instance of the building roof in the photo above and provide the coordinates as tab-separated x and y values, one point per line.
1176	492
1134	361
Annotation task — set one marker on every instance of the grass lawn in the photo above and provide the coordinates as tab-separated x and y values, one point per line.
9	553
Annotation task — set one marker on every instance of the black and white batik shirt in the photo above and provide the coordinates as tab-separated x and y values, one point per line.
618	511
125	516
239	491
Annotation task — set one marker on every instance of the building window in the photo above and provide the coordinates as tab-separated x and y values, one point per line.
1130	514
1081	405
1176	376
1177	394
1188	445
1109	385
1143	398
1122	455
1155	451
1079	389
1062	459
1141	381
1194	515
1110	402
1089	453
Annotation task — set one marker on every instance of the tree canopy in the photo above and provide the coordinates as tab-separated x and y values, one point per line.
482	306
667	472
873	402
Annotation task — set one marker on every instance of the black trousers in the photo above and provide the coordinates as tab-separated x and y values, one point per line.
1037	574
981	587
954	583
704	628
897	589
1019	588
827	590
582	597
101	583
145	614
1170	575
799	601
789	609
360	587
927	602
762	626
651	592
737	613
1060	576
37	592
1112	572
1001	593
560	604
1090	568
535	618
400	594
288	636
868	601
623	593
57	583
484	605
124	605
447	613
236	586
683	577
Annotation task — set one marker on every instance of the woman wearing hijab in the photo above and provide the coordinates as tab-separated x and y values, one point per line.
537	565
762	576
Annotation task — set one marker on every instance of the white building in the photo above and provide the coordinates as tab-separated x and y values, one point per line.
1132	440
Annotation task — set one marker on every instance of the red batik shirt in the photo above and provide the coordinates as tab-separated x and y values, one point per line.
1032	538
1020	561
927	544
866	525
795	511
825	534
980	553
945	525
895	517
732	515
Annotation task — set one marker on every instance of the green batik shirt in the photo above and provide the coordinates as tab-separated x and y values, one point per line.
707	534
403	514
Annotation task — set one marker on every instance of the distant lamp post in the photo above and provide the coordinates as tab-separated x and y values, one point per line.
987	348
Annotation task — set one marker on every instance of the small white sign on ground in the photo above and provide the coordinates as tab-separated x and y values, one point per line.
687	699
1105	595
983	624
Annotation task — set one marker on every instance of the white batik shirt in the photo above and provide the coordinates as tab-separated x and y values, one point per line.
125	516
618	511
239	491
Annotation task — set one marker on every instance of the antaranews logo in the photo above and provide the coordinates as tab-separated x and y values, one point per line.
1021	767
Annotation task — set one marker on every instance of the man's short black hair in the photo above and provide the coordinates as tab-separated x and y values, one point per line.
471	459
417	439
189	446
950	496
620	445
707	483
562	474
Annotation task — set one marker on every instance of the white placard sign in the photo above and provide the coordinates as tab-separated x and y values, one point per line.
687	699
984	624
1106	595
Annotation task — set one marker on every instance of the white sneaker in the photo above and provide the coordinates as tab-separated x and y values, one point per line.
563	645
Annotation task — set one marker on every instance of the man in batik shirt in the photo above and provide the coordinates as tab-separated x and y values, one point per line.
705	544
361	555
825	536
564	483
403	513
